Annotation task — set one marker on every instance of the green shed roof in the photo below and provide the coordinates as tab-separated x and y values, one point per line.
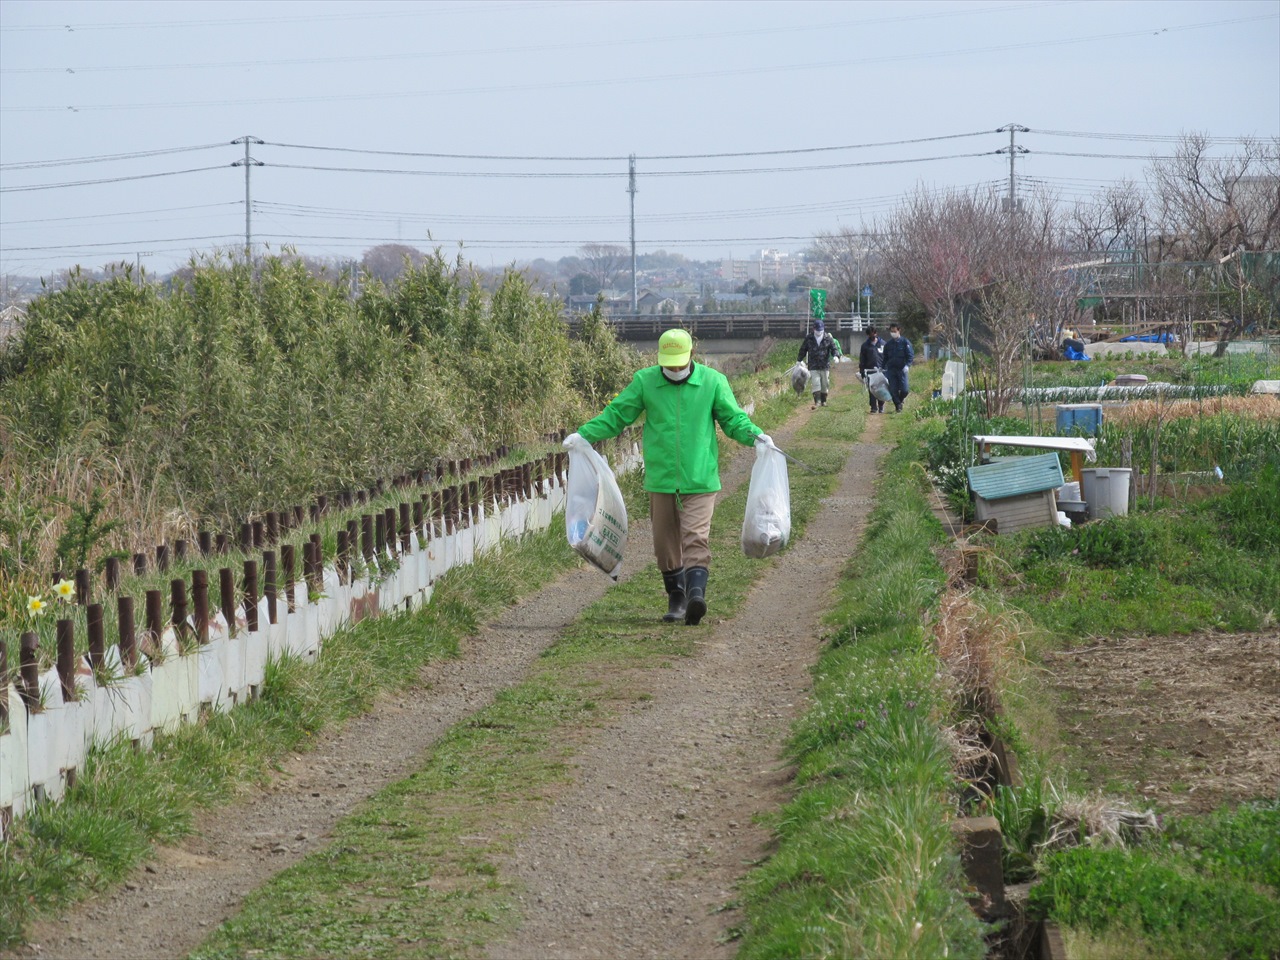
1016	476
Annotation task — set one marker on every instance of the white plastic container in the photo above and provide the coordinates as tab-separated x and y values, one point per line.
1106	490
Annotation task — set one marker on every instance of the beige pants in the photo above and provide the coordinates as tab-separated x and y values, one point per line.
681	532
819	381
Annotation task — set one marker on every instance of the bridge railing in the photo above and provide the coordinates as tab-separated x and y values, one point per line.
723	326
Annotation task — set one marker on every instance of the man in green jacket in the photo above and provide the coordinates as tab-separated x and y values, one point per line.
683	401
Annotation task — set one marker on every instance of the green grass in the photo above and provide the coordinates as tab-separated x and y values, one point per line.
865	863
1208	887
125	801
1177	569
415	871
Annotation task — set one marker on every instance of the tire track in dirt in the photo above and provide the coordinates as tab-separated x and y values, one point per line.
640	856
169	906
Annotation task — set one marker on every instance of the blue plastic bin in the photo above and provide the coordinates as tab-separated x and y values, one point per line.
1076	418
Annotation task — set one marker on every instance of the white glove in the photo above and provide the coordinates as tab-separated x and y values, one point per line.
572	439
764	439
907	368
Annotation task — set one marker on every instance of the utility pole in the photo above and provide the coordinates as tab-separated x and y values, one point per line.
1011	204
631	189
247	162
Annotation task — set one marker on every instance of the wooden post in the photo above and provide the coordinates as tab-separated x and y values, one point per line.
200	599
405	527
128	634
82	587
155	623
139	564
251	595
287	562
4	687
96	638
162	557
227	598
113	574
317	563
178	600
269	583
258	533
180	550
273	528
29	670
1077	465
379	534
205	539
340	564
66	633
224	544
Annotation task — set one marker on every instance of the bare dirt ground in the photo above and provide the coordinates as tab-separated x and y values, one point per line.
1189	722
633	856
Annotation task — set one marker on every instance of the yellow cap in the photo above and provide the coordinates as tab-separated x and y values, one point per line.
674	348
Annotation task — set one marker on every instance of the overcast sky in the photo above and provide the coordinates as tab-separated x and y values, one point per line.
532	109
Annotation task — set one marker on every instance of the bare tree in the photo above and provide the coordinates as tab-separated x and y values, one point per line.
1209	207
604	261
388	260
942	247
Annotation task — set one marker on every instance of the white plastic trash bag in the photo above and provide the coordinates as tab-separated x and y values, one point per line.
878	384
799	375
766	527
595	516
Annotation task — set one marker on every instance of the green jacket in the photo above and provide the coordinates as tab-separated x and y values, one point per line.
681	450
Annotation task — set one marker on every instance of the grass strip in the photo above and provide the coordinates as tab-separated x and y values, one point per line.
124	801
1209	887
415	871
866	865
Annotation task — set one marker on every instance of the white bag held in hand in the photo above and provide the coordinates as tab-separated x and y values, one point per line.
595	516
766	527
799	375
878	384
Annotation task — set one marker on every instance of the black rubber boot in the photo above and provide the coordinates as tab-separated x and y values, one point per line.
824	398
695	585
674	582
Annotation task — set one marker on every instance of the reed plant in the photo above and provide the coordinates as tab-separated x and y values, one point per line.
246	387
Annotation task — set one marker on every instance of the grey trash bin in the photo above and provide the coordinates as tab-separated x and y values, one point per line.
1106	491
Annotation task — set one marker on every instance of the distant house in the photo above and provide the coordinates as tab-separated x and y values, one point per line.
656	303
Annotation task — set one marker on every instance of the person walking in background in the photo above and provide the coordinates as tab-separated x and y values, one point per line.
820	347
870	359
897	362
682	402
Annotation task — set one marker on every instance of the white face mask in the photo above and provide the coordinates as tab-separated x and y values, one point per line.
676	376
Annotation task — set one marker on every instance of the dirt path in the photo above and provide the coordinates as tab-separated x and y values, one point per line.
682	835
639	857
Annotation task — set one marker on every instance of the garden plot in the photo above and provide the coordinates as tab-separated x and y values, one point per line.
1188	722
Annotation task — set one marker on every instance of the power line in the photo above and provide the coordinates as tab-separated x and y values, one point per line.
88	183
497	51
435	10
106	158
587	175
753	69
126	214
121	243
621	157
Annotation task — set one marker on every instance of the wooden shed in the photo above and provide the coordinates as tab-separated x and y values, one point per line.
1018	492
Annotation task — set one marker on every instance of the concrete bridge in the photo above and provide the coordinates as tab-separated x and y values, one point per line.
736	333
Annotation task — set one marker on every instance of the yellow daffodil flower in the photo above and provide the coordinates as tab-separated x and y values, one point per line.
35	606
64	590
